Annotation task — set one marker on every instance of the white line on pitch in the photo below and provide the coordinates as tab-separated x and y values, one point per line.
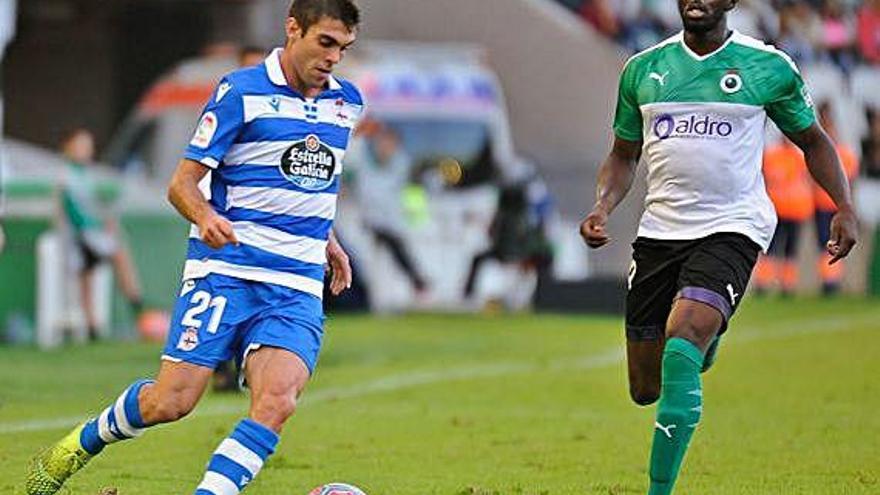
412	379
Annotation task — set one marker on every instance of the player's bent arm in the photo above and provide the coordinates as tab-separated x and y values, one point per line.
825	167
824	164
615	179
616	174
185	196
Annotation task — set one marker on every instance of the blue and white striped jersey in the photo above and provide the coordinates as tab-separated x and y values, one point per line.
277	163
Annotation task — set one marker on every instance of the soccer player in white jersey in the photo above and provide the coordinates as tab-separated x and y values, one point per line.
694	108
273	137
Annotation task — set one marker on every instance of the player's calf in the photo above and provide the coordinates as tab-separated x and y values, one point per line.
644	394
643	363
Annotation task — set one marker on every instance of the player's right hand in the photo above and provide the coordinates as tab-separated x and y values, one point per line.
217	232
593	228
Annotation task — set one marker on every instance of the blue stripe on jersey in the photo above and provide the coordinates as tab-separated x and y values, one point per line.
313	227
271	129
218	191
246	255
266	176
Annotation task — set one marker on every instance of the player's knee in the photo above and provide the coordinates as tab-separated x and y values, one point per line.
693	331
644	395
273	410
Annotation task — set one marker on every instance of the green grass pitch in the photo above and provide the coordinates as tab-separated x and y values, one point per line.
509	405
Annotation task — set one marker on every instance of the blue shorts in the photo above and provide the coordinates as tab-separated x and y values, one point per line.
217	318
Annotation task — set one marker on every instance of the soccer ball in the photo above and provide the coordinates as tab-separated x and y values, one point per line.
337	489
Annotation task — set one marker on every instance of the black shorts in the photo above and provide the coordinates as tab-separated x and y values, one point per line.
714	270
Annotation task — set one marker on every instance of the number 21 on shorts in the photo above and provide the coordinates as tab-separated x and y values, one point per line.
201	301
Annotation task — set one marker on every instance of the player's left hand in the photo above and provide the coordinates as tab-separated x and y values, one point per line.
844	231
339	266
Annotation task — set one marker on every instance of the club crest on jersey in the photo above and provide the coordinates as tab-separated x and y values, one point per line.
309	163
731	82
189	339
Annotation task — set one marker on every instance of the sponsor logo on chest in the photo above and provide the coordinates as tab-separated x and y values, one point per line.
691	126
309	163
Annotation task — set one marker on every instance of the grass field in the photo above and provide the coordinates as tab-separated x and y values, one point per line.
519	405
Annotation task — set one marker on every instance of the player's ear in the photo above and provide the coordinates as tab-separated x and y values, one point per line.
292	29
731	5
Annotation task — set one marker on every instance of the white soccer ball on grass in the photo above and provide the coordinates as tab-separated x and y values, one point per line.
337	489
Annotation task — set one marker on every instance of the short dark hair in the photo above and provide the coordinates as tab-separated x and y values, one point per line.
308	12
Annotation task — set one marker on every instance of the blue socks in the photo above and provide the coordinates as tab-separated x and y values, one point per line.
120	421
238	459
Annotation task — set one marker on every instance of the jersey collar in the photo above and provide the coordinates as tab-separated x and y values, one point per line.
699	58
276	74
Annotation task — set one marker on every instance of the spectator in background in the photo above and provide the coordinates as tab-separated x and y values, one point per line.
8	10
800	32
869	31
600	14
382	174
838	35
250	55
517	232
790	188
95	235
831	275
871	145
755	18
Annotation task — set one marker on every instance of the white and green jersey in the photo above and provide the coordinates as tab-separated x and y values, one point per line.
701	119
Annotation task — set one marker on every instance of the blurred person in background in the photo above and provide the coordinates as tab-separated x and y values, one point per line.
830	274
96	233
838	35
517	232
755	18
790	189
871	145
250	55
382	173
800	31
869	31
8	10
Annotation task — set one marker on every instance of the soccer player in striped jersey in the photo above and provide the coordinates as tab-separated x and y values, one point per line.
273	137
694	107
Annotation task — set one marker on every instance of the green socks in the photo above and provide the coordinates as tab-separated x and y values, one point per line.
681	403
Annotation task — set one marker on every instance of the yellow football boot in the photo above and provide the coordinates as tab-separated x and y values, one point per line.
51	468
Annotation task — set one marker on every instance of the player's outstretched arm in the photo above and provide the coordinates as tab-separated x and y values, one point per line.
185	196
825	167
615	179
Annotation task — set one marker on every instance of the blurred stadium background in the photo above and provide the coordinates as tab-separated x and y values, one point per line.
503	108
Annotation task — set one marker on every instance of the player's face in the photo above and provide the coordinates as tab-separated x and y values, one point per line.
700	16
317	52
